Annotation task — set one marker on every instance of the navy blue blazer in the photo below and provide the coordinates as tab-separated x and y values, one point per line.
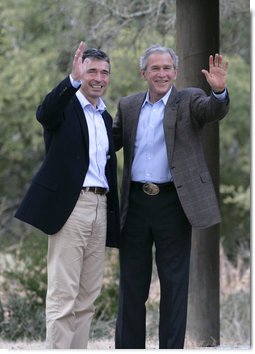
56	187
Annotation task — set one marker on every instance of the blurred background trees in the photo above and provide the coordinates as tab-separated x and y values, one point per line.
37	41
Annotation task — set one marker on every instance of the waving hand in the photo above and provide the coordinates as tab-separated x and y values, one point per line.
217	74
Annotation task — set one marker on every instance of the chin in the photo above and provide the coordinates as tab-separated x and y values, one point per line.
162	93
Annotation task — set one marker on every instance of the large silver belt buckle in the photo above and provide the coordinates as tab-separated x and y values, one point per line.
150	189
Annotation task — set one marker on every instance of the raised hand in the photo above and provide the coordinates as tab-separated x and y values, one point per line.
217	75
78	67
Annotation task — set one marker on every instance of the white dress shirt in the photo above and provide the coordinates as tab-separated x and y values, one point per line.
98	140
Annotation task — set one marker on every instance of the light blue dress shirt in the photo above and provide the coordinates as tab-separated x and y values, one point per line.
150	155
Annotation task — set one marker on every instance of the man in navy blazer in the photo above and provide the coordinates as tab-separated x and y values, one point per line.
73	197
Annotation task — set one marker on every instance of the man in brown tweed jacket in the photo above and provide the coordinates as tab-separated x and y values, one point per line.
166	190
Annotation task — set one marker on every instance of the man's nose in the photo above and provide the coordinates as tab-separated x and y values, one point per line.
161	72
98	76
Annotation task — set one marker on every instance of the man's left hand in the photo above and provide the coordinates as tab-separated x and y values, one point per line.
217	75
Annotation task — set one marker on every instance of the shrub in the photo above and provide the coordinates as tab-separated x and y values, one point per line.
25	286
24	319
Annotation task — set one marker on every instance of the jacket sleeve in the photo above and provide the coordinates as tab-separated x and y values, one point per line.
206	109
50	112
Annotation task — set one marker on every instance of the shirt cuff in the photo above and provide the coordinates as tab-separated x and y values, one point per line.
220	96
74	83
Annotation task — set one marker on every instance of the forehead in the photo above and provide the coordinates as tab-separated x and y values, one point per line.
159	59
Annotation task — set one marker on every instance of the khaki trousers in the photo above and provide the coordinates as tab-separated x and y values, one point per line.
75	273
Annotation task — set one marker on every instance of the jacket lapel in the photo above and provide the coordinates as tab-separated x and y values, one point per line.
132	119
108	124
82	120
169	122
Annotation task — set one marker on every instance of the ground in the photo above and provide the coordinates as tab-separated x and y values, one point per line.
101	344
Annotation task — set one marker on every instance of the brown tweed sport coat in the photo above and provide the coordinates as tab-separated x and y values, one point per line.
186	113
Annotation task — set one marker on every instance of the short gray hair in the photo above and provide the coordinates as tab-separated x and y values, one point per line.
157	49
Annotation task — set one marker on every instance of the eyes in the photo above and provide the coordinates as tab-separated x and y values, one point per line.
165	68
94	72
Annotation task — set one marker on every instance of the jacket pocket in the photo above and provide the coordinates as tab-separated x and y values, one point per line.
46	183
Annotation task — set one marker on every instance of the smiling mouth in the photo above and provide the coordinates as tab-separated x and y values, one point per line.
97	86
161	81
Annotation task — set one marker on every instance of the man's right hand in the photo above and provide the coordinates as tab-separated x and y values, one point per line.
78	67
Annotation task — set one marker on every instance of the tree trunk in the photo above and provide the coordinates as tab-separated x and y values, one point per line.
197	31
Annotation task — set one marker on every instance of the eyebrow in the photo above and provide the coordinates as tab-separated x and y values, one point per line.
102	70
164	66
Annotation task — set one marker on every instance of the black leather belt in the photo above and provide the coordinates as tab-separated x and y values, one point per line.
152	188
96	190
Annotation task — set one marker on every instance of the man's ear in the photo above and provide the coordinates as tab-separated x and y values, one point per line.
142	72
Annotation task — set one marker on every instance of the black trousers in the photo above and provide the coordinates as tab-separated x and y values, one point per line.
158	220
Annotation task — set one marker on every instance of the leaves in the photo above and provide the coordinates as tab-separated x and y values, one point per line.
37	41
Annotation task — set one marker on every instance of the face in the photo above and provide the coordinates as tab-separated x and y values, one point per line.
159	74
95	79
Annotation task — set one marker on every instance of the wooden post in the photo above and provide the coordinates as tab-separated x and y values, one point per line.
197	28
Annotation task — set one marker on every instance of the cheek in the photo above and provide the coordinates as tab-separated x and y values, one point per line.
84	85
150	79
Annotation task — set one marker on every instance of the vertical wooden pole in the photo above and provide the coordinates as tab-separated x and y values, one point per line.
197	30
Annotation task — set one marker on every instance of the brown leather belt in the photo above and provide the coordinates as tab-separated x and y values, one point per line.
96	190
153	188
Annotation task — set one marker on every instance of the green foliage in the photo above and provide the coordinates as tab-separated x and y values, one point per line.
235	28
235	204
30	267
25	76
235	163
37	39
26	289
235	128
25	319
24	316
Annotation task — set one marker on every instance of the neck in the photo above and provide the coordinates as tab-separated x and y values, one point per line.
92	100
